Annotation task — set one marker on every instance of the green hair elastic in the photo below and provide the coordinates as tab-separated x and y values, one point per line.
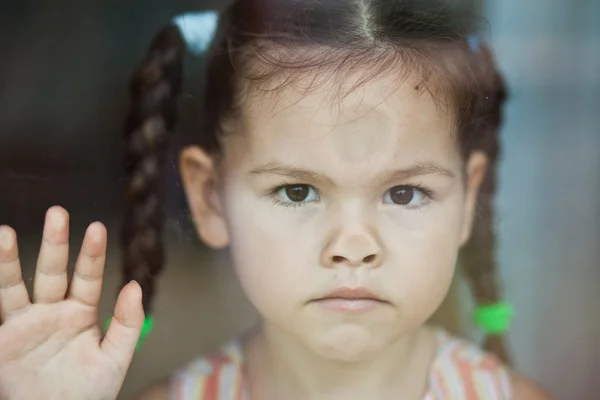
494	319
146	329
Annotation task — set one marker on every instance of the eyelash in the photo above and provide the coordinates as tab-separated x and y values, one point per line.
287	204
274	196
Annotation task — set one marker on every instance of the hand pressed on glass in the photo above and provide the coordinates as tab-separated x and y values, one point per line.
56	341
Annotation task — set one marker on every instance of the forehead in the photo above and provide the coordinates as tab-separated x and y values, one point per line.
386	118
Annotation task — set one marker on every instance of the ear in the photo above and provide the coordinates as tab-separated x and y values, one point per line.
200	184
476	169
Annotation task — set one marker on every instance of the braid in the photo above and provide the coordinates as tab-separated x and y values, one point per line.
154	90
478	256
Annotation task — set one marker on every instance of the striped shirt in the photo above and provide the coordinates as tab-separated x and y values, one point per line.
460	371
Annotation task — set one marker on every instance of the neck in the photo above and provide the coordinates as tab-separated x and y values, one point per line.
281	367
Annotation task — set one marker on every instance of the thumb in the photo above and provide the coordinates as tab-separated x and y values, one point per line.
125	326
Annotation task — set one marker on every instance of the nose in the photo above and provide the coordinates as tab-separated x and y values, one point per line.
354	247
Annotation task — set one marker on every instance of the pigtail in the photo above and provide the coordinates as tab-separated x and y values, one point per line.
478	257
154	93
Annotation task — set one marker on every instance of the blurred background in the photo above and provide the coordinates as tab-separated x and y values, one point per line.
64	71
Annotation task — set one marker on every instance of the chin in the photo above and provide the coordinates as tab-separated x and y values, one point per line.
348	343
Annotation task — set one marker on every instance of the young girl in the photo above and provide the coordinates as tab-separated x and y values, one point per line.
347	148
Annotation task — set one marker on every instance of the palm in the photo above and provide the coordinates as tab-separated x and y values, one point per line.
54	348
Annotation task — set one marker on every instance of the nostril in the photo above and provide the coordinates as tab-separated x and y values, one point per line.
369	259
338	259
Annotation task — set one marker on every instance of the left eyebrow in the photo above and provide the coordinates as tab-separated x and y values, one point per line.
427	168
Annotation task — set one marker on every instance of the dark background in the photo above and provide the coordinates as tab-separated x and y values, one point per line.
64	74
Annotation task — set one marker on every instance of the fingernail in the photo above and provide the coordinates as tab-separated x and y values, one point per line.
138	289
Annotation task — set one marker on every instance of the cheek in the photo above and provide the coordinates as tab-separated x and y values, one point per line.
426	276
271	255
424	257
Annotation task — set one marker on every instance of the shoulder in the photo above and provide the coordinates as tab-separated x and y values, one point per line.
207	376
525	389
463	367
202	377
463	370
457	352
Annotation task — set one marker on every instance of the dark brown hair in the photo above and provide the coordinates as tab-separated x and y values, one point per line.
154	90
267	44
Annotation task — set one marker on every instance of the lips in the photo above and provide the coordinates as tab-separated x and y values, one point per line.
351	301
352	294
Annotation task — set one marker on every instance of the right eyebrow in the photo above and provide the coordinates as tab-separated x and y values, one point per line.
292	172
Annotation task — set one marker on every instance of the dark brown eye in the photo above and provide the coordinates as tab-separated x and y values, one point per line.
404	196
297	193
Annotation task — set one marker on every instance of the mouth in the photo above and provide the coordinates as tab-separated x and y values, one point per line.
351	301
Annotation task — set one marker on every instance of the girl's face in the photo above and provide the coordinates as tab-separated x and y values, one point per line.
344	216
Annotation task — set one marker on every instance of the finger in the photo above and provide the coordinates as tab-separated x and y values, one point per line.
50	284
13	293
86	284
125	327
